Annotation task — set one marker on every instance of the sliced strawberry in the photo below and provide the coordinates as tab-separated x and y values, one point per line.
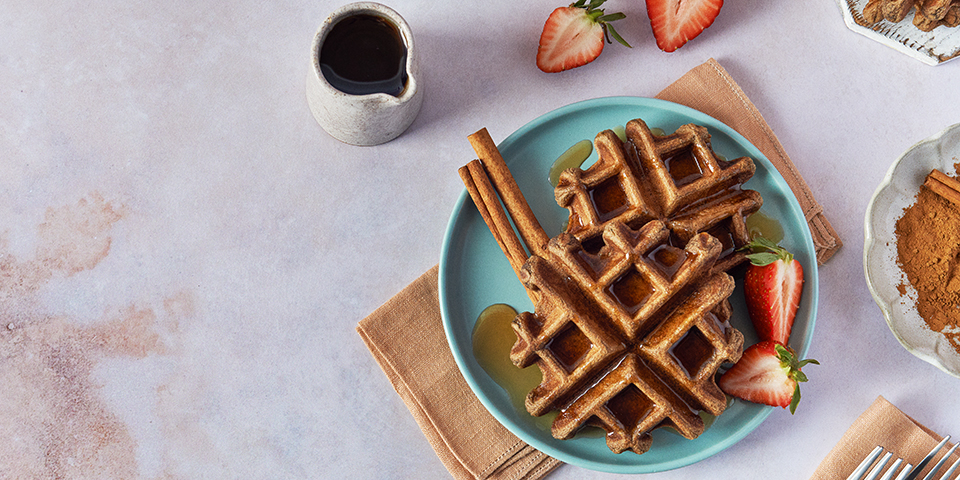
675	22
573	36
772	287
767	373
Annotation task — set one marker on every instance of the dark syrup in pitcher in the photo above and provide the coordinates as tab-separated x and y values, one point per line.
364	54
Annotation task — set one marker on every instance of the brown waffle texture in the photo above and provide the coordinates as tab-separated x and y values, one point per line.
627	339
631	312
676	178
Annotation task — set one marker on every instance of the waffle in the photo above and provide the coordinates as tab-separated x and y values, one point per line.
676	178
631	317
625	340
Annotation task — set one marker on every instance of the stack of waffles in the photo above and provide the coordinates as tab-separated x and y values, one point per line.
631	317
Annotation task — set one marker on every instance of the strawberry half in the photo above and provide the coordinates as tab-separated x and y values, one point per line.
767	373
675	22
772	286
573	36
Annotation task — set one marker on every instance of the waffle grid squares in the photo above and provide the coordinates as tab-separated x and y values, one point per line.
631	317
710	199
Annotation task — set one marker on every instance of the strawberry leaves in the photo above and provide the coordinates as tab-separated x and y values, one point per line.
605	21
792	366
768	373
766	252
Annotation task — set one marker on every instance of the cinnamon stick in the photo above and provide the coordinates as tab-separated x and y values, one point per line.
524	219
488	204
943	185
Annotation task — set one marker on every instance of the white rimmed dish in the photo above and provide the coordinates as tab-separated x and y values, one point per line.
885	278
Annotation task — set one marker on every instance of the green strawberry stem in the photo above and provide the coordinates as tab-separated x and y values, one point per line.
766	252
609	31
791	366
604	20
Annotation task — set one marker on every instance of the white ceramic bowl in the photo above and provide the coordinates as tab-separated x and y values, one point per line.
897	191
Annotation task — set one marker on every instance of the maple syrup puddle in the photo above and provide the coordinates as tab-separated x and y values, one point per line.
573	157
493	337
762	225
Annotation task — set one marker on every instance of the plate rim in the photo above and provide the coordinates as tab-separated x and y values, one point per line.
679	109
871	244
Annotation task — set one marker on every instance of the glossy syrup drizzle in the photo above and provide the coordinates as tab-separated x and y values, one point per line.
763	225
493	338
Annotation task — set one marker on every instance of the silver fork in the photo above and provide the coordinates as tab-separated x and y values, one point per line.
909	472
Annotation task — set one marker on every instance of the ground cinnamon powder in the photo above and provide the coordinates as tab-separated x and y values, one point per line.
928	251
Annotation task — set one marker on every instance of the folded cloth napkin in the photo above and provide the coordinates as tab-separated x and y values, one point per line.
881	424
406	336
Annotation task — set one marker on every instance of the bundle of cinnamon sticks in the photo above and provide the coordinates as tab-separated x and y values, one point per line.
489	182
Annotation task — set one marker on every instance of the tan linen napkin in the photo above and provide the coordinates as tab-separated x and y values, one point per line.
406	336
881	424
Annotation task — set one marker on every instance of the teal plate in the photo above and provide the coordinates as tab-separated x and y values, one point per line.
474	274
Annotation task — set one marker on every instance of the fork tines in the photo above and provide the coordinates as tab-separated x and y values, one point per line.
909	472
